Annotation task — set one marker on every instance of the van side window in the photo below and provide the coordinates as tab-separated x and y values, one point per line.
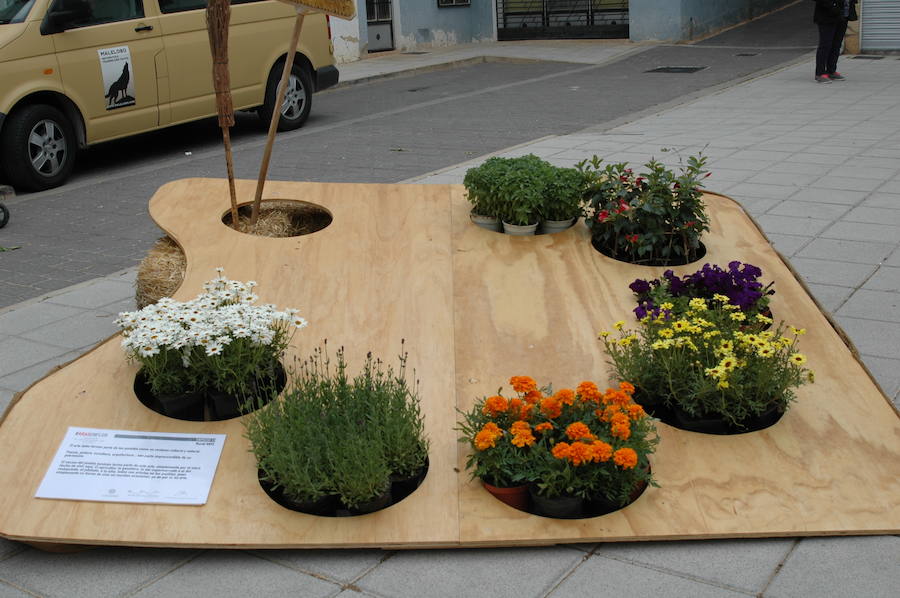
170	6
97	12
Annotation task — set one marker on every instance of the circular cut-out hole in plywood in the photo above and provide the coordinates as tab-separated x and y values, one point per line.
281	218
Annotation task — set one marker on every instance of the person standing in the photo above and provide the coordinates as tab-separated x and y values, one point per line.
832	17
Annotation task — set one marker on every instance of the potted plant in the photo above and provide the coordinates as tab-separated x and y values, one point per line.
712	369
480	183
352	436
563	193
569	447
511	189
654	218
212	354
739	282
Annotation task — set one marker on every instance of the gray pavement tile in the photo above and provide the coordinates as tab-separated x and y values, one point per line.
840	567
812	194
893	259
6	395
790	225
882	200
752	205
811	157
623	579
34	315
853	169
830	297
340	565
886	278
790	167
886	372
95	573
9	548
21	379
234	573
788	244
843	183
786	179
875	305
859	231
841	250
97	294
809	209
501	572
720	175
875	215
7	591
763	190
18	353
843	274
74	333
872	337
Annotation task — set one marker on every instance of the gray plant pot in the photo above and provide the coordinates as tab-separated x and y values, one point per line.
485	222
548	227
518	230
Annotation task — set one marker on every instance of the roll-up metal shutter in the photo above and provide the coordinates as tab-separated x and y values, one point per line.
880	26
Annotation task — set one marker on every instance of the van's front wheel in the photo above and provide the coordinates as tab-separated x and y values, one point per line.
297	99
39	146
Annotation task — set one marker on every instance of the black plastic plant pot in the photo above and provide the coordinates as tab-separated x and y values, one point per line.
612	253
403	486
223	405
712	424
382	501
185	406
560	507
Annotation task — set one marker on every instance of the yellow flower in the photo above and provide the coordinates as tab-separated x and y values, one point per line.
698	304
731	307
666	333
619	325
798	358
765	351
721	298
710	334
763	319
658	345
679	325
714	372
603	333
798	331
726	346
667	305
738	316
810	376
624	342
722	384
728	364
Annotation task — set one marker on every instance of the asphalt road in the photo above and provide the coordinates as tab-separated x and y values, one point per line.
387	130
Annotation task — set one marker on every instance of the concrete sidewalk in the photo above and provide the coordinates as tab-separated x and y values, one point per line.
817	165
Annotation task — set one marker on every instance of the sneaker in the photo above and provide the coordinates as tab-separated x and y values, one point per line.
836	77
823	79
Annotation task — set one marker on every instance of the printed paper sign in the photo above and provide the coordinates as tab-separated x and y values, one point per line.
118	80
129	466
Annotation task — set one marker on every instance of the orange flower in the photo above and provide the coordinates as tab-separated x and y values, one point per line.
626	387
566	396
515	406
543	426
619	419
621	431
579	430
602	451
495	405
523	384
519	425
523	437
580	453
487	437
561	450
551	407
533	396
607	413
588	391
618	397
625	458
636	412
525	412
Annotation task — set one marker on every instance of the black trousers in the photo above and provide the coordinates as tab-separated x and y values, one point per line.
831	36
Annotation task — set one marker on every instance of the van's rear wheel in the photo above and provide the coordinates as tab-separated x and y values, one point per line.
297	99
39	146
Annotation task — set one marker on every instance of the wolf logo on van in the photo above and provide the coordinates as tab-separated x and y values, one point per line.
115	64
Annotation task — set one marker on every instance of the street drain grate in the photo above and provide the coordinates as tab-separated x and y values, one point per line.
748	54
413	53
867	57
676	69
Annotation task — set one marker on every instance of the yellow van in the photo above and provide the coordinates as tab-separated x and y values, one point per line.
78	72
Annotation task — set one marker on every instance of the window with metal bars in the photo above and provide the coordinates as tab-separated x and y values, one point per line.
378	10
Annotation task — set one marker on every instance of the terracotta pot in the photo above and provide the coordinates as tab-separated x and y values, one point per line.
514	496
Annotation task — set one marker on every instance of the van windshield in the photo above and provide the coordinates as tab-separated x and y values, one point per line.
14	11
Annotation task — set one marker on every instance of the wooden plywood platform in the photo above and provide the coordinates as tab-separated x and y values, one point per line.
474	308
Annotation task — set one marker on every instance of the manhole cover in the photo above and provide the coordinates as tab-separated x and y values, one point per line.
676	69
748	54
865	57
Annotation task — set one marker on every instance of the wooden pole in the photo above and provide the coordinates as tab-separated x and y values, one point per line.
276	113
218	15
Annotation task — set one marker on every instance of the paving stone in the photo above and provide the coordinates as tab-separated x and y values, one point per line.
18	353
806	209
74	333
872	337
893	259
818	158
844	274
791	166
886	372
789	225
340	565
761	190
882	200
6	396
501	572
814	194
7	591
600	576
857	231
842	250
95	573
738	564
886	278
21	379
840	567
8	548
34	315
234	573
96	294
874	215
830	297
788	244
875	305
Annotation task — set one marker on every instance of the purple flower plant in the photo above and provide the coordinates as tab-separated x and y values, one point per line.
740	283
